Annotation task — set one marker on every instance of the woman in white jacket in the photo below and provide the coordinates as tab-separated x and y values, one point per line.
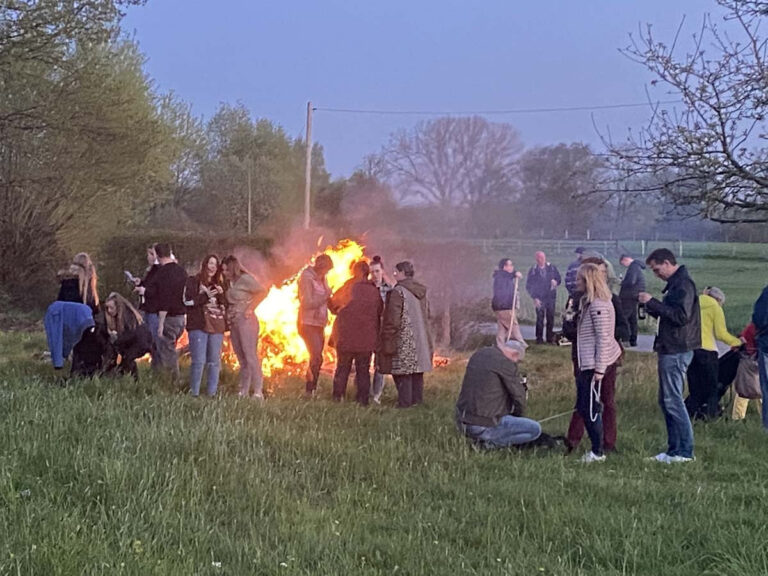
597	352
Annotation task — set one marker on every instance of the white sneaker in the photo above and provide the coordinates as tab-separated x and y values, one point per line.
258	397
377	399
679	459
663	458
590	457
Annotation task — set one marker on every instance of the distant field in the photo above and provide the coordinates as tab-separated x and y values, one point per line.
740	269
119	478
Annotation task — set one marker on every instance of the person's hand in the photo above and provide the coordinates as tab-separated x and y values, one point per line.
598	377
553	283
136	281
536	303
518	274
140	290
644	297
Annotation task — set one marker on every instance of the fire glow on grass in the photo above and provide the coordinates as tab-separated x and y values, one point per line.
281	349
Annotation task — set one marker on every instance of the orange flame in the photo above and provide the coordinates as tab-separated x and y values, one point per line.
281	349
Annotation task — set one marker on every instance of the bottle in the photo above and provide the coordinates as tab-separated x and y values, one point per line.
641	315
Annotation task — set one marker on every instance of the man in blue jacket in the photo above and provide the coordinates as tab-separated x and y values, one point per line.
541	284
760	320
678	336
505	302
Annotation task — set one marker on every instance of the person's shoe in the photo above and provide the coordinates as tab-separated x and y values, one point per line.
633	344
590	457
679	459
377	398
663	457
259	397
539	341
242	395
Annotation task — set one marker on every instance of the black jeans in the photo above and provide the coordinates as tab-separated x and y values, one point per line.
362	362
314	339
87	355
410	389
546	310
629	308
590	411
703	397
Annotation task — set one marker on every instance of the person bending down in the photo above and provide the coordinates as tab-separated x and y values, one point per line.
492	400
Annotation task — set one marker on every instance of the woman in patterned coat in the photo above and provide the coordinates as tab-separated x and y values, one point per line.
405	349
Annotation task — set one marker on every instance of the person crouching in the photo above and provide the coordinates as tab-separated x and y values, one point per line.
492	400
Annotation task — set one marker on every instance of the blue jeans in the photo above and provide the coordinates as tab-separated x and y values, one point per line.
672	369
205	350
762	364
510	431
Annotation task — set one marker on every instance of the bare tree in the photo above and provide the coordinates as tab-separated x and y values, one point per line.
709	152
453	162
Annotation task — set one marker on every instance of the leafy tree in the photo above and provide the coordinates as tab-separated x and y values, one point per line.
709	152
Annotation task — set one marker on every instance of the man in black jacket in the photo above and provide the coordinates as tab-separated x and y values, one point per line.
678	335
632	284
492	400
541	284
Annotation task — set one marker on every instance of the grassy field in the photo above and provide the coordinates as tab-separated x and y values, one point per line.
113	477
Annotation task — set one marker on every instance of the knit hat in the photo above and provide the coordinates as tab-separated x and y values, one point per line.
716	293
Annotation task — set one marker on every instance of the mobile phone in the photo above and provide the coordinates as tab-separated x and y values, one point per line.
130	278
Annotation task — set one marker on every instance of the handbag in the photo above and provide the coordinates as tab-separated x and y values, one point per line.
747	382
215	323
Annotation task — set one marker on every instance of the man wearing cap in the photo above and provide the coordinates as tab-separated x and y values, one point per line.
570	274
492	400
631	285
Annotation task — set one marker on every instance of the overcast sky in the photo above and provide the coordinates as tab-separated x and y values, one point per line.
418	55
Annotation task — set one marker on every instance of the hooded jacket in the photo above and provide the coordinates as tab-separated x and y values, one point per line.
405	346
679	315
503	290
713	325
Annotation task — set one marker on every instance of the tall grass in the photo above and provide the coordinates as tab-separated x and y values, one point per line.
114	477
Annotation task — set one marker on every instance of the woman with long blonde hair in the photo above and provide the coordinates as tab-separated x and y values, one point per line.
79	284
127	336
597	352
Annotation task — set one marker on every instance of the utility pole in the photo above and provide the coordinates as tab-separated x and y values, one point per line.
249	195
308	167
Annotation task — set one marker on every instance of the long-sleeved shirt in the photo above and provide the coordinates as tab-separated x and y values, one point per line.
243	295
313	298
597	346
165	289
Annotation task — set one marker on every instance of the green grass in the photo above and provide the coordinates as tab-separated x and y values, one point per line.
113	477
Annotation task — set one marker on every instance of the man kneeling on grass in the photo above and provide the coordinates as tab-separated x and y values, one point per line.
492	399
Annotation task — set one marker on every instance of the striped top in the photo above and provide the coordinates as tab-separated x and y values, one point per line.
596	346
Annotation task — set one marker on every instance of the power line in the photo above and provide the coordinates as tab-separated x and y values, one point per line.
493	112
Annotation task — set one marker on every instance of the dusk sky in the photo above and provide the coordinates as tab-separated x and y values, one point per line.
446	56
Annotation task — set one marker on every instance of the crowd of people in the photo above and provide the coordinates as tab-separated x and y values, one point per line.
382	328
599	325
376	321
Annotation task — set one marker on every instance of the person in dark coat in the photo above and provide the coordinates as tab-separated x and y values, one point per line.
405	347
506	302
541	284
357	332
631	285
127	336
679	334
573	269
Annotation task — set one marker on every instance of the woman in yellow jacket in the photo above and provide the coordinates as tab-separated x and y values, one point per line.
703	399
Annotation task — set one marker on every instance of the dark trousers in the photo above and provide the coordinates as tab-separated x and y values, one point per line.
314	339
608	402
362	362
545	311
410	389
590	410
703	395
629	308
